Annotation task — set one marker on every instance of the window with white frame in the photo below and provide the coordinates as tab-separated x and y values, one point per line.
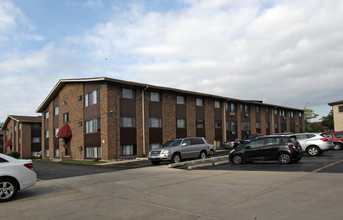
57	110
127	93
244	108
46	115
218	124
47	134
65	117
56	152
275	111
93	152
180	100
46	153
92	98
93	126
200	124
127	122
20	126
155	123
199	102
155	97
216	104
181	123
56	131
127	150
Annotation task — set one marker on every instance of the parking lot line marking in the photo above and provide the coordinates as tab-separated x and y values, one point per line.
40	179
326	166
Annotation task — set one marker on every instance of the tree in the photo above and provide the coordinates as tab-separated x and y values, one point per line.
309	114
327	121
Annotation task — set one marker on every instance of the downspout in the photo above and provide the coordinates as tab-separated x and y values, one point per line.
143	119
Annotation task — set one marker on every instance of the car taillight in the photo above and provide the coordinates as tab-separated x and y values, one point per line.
324	139
290	144
29	165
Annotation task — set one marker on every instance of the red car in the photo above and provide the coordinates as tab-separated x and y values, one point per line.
337	138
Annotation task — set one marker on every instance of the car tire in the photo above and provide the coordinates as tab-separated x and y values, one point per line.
202	155
284	158
176	158
155	162
313	151
237	159
8	189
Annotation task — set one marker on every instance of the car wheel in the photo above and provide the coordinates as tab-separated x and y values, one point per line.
313	151
338	146
8	189
202	155
284	158
176	158
237	159
155	162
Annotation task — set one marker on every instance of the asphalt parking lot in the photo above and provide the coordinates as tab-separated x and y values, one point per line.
329	162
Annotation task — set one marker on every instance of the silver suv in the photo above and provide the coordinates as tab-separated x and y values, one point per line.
183	148
314	144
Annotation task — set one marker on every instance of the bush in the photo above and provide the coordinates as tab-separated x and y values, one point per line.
14	154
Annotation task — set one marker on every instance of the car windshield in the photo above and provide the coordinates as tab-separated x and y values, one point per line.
172	143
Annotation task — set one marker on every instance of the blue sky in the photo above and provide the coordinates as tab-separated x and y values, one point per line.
287	52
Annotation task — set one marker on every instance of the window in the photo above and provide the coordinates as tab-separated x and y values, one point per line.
231	125
127	93
127	150
65	118
92	98
267	125
181	123
300	114
276	125
56	131
155	97
199	102
180	100
245	126
275	111
216	104
155	123
15	127
267	110
200	124
155	146
36	126
47	134
257	143
35	140
46	152
46	115
231	107
273	140
57	110
93	152
244	108
93	126
20	126
291	114
218	124
127	122
19	140
292	126
257	108
258	125
196	141
340	108
56	152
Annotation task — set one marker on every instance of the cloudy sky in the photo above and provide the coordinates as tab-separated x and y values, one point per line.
287	53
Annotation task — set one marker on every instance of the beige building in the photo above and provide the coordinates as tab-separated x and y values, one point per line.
337	110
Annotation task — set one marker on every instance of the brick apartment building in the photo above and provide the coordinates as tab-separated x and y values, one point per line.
2	134
114	119
22	134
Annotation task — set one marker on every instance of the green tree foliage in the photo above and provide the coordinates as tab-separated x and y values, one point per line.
309	114
327	121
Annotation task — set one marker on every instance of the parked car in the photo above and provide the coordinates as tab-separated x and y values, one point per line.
176	150
246	139
337	138
314	144
284	148
37	155
15	175
212	150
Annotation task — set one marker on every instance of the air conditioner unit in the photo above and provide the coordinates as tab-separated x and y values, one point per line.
232	114
284	118
233	132
246	115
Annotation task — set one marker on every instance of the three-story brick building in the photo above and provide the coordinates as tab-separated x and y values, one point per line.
114	119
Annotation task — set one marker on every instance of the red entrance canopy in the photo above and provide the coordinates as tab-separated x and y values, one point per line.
64	132
9	143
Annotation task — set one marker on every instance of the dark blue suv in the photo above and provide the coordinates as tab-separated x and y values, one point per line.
283	148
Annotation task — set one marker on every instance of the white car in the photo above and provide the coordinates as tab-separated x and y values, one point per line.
15	175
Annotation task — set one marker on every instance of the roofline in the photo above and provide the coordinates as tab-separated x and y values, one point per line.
18	120
62	82
335	103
